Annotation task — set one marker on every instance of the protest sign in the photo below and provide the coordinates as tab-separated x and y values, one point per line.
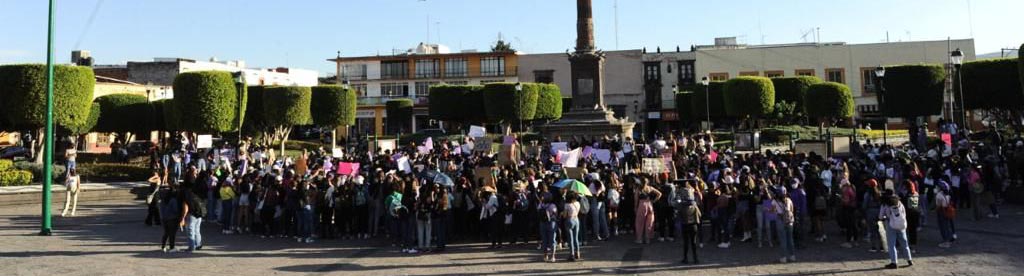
204	141
477	131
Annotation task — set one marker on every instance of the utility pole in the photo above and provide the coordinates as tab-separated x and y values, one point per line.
48	137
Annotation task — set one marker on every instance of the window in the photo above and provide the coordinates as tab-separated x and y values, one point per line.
482	82
867	80
427	68
423	88
687	76
544	76
652	71
774	74
353	72
750	74
457	82
359	88
804	72
394	69
718	76
455	67
492	66
835	75
394	89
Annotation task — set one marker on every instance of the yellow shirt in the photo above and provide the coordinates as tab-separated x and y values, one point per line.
226	193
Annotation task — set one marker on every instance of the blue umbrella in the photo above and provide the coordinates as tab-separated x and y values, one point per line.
564	182
443	180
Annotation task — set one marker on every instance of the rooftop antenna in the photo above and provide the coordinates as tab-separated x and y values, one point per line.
806	34
615	5
970	19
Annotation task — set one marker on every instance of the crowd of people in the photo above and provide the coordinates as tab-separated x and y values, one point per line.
422	196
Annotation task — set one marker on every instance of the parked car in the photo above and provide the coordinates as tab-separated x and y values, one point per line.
14	152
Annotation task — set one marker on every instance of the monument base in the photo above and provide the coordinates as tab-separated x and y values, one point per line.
588	123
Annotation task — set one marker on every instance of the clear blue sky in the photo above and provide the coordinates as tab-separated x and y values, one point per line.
303	34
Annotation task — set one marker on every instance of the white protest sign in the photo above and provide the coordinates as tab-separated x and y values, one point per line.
603	155
204	141
337	153
477	131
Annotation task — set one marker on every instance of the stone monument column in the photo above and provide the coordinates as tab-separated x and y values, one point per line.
587	63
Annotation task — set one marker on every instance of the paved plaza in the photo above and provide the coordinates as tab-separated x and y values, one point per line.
108	238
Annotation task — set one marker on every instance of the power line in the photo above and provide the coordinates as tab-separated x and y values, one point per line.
88	24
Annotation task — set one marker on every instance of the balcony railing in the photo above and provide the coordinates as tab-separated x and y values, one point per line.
382	100
441	75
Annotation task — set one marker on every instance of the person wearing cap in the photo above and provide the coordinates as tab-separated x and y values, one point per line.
894	216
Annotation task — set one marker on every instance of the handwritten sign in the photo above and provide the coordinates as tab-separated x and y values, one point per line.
603	155
346	168
204	141
477	131
653	165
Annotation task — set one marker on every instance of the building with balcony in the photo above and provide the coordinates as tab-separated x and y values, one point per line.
663	72
378	79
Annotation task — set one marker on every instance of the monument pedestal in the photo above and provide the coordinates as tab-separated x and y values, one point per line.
588	123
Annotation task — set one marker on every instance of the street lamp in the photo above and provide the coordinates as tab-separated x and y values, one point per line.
240	90
880	76
636	113
707	100
957	57
344	84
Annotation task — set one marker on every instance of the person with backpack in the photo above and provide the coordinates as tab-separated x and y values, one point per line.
361	208
520	211
192	212
945	211
911	203
227	197
690	218
782	206
170	212
871	204
548	214
441	216
817	195
424	213
894	217
847	216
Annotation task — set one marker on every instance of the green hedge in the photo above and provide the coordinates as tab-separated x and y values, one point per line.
333	106
1020	64
113	172
287	105
913	90
6	165
549	102
23	95
475	107
399	113
254	121
794	89
207	101
684	106
993	83
15	178
506	104
445	102
829	100
749	96
169	117
37	169
90	122
123	113
700	103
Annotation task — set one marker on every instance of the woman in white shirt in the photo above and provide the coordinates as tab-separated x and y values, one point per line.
572	225
73	185
894	216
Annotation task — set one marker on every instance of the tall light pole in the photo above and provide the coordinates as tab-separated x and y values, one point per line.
957	57
707	101
48	137
880	76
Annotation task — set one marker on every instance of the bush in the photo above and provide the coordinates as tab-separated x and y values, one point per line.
506	104
23	95
794	89
749	96
829	100
15	178
549	103
122	113
6	165
113	172
445	102
169	114
913	90
993	83
287	105
684	103
90	122
700	103
475	108
399	115
37	170
333	106
207	101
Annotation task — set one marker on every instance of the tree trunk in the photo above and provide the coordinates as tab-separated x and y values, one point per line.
37	146
334	138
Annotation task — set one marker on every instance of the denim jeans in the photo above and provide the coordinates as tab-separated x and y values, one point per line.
895	236
547	235
764	230
305	218
195	238
572	226
440	224
599	219
785	238
225	217
211	205
423	233
945	227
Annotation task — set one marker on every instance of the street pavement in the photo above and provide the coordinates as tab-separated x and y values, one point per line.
109	238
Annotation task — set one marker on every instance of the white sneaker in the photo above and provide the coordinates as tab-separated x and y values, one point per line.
309	240
164	249
945	245
405	250
727	244
413	251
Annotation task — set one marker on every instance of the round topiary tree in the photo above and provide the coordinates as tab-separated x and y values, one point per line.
285	107
445	102
506	104
752	97
829	101
700	104
23	98
549	102
333	106
913	90
793	89
474	108
208	101
123	114
684	103
90	123
399	113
